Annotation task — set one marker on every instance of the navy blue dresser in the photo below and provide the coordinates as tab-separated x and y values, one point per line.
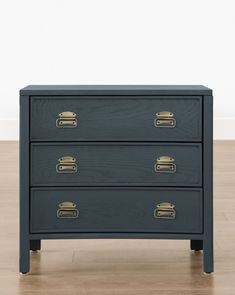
116	162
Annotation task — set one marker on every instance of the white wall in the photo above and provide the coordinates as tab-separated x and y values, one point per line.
117	42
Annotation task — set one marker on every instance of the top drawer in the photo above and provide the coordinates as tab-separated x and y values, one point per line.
116	118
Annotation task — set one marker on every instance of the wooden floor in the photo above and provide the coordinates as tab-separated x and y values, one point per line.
119	266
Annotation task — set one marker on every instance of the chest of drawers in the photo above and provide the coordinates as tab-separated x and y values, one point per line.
116	162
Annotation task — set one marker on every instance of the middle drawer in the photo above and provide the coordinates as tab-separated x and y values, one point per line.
107	164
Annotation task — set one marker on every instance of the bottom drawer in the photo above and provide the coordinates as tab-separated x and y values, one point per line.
116	210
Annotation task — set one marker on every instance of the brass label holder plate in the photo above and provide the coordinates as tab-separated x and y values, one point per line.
67	164
165	210
67	120
67	210
165	119
165	164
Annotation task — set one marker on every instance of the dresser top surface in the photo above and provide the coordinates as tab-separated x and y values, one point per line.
116	90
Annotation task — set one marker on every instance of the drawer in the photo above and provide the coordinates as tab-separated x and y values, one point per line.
116	210
100	118
111	164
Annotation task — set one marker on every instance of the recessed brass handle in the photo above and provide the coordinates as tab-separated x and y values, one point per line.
165	119
165	164
67	210
165	210
66	164
67	120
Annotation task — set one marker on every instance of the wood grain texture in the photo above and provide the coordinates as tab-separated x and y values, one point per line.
208	245
116	90
119	266
24	258
116	164
116	118
116	210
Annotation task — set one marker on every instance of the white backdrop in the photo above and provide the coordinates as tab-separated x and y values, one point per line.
118	42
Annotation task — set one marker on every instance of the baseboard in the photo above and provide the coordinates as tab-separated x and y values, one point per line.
9	129
224	128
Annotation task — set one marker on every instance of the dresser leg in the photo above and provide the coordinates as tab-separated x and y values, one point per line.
24	256
196	245
35	245
208	256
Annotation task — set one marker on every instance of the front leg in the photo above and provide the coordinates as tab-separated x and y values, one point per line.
208	257
24	255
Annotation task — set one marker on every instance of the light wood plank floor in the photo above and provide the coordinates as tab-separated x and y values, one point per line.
119	266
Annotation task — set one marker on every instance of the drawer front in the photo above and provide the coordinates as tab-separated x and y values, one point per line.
116	119
115	164
116	210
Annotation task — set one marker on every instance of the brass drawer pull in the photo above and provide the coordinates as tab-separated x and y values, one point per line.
165	119
67	164
67	210
67	120
165	164
165	210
